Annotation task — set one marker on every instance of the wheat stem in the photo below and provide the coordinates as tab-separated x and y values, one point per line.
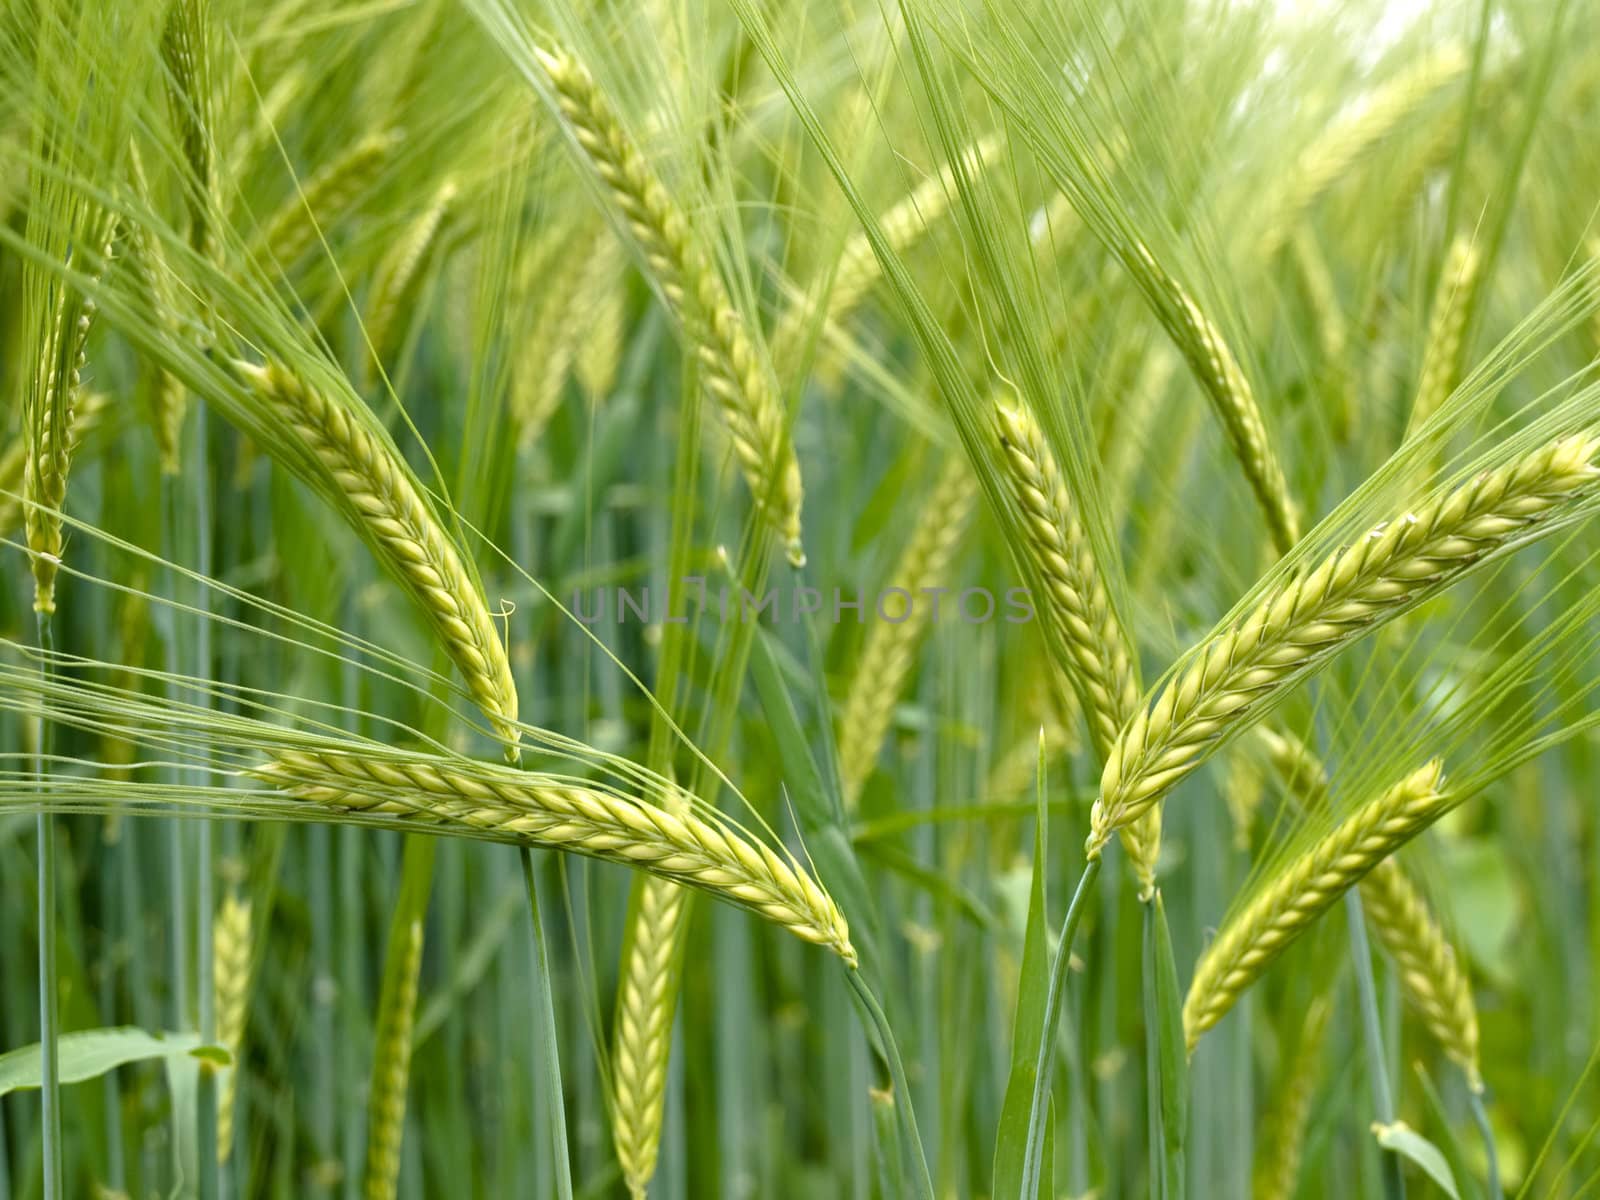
1293	898
1239	670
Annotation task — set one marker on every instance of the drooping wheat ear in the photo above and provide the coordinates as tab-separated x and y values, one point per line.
903	224
185	53
890	650
1242	668
324	198
545	810
603	299
647	1000
1441	358
391	1072
736	375
1431	977
546	355
1288	903
52	428
1277	1166
88	414
1083	634
372	481
1213	363
400	274
231	978
1331	155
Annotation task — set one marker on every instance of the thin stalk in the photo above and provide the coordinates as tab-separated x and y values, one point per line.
49	1015
1480	1118
1033	1161
545	1017
880	1033
1394	1184
206	1100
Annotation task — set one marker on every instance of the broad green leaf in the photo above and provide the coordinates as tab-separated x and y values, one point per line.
1408	1143
90	1053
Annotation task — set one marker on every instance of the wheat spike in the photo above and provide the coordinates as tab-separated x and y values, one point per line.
400	274
735	373
602	298
391	1073
1083	633
557	333
1277	1166
1331	154
374	483
547	810
1431	978
1430	975
62	320
890	649
902	225
1441	359
231	980
647	999
1265	926
186	54
87	414
324	198
1242	668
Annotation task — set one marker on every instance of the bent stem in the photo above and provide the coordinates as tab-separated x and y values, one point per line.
1394	1184
545	1015
1480	1118
1032	1163
49	1015
883	1042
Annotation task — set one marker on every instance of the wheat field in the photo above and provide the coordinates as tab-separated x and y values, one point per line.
766	598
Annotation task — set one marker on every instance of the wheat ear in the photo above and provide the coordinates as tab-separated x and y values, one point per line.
1431	977
1213	363
86	414
324	198
400	274
647	1000
231	979
890	649
51	434
1277	1166
602	298
546	810
559	328
391	1070
1289	902
1441	358
186	54
1239	670
902	225
371	480
1083	633
735	373
1331	154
